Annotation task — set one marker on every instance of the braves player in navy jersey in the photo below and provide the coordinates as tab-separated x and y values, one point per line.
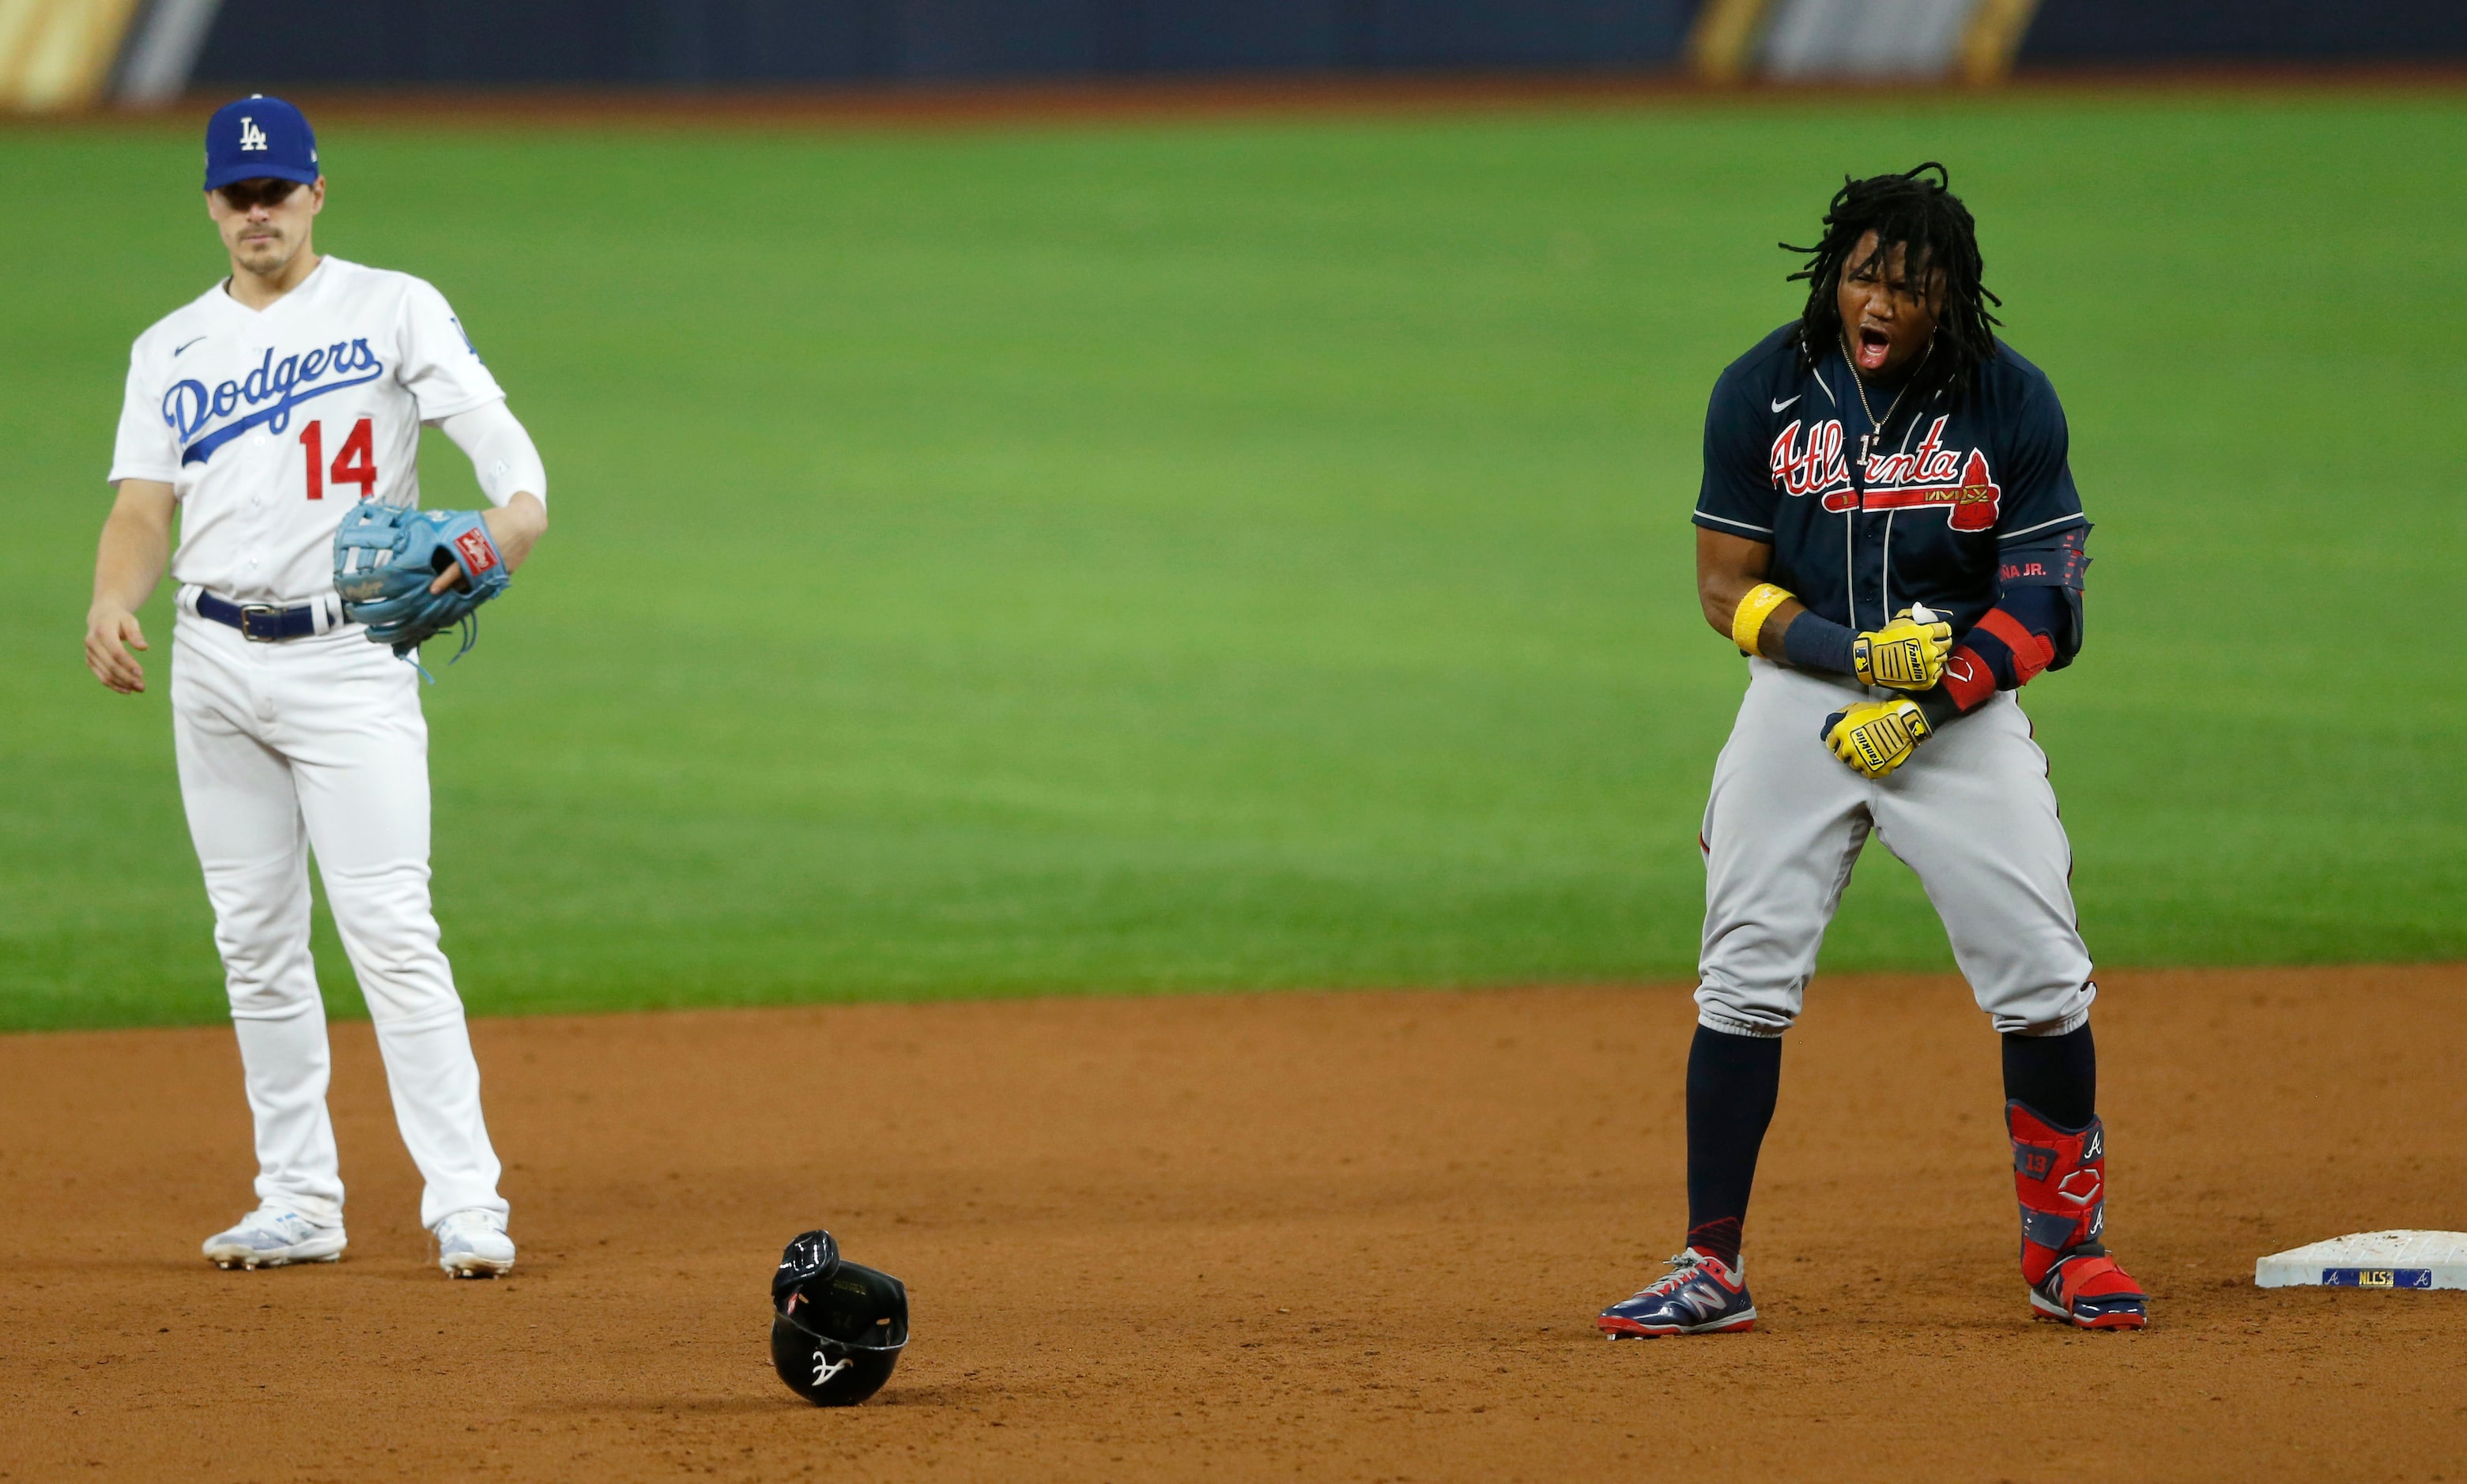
1889	529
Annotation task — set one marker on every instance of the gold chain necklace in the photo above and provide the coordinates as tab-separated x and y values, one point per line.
1875	433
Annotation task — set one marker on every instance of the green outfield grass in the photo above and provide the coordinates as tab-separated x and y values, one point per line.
1255	555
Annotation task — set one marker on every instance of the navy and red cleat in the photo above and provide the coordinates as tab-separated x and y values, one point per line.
2087	1290
1702	1296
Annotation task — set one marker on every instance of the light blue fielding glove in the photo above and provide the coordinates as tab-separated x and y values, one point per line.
385	557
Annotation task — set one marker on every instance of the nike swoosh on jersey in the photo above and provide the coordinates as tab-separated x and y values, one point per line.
176	355
1779	406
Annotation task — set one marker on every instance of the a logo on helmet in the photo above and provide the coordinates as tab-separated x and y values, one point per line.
825	1367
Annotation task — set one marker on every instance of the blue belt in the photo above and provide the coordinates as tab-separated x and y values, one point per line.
261	622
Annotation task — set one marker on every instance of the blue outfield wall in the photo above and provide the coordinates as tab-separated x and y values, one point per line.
690	42
2126	32
257	42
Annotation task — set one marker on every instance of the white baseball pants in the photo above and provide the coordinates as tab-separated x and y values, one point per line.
318	744
1971	812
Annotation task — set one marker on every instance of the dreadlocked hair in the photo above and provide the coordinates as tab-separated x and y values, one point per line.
1917	212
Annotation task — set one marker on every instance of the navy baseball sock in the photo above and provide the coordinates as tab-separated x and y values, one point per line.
1731	1084
2054	1076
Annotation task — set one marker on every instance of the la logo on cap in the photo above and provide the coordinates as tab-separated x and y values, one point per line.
251	137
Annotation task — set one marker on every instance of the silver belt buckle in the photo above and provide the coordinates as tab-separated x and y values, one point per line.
254	615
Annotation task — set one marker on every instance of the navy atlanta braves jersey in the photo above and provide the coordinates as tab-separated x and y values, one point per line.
1920	519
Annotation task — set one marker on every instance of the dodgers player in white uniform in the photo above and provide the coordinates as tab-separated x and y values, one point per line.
263	412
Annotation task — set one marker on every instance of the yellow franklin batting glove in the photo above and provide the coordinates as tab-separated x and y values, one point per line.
1876	736
1905	654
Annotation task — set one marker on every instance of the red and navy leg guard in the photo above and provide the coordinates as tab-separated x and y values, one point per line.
2061	1177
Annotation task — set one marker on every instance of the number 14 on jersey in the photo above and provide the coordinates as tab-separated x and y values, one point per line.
355	462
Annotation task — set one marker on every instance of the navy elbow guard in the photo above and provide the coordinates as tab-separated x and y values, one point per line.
2035	625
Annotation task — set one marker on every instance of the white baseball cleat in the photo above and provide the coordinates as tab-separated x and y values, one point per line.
271	1237
474	1245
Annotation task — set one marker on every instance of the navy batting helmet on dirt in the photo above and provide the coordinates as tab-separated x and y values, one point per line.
837	1327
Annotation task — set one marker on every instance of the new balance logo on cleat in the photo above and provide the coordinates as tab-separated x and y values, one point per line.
1702	1296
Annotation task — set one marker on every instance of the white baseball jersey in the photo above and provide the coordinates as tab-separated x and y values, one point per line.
270	424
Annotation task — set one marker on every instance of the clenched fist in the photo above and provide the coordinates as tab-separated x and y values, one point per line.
1876	736
1907	654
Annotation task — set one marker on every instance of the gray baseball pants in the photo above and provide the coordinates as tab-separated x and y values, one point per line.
1972	813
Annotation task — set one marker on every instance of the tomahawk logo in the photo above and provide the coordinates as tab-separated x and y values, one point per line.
1971	498
825	1367
251	137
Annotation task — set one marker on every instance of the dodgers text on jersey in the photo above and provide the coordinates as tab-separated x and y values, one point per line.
189	408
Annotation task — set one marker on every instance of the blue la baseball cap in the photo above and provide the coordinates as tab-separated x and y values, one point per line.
259	137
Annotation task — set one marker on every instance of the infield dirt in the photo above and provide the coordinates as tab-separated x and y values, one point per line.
1346	1236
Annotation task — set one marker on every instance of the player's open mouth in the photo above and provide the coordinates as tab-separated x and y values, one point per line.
1874	345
